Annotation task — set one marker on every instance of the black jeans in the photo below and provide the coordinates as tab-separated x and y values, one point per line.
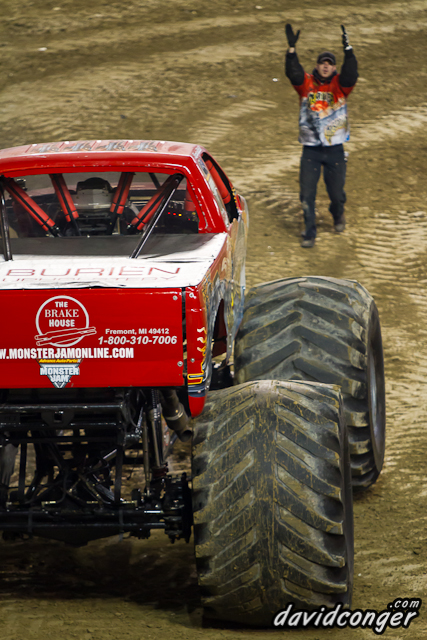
333	162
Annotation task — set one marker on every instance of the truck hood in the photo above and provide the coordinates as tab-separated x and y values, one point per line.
52	263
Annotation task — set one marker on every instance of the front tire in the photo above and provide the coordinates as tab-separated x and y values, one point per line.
324	330
272	501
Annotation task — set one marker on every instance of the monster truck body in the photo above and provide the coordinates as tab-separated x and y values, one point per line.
83	313
122	294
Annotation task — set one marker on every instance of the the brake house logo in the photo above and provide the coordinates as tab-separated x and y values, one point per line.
61	322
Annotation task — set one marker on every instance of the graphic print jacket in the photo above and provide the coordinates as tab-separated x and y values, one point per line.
323	102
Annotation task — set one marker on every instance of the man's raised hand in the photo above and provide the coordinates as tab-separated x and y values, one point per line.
291	36
345	42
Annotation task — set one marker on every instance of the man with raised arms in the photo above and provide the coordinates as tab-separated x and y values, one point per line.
323	128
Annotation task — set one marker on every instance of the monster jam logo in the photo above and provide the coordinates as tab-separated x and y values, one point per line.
58	373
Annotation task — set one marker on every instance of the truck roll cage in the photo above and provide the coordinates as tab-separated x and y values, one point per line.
143	223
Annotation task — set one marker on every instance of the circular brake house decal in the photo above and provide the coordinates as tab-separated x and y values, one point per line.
61	322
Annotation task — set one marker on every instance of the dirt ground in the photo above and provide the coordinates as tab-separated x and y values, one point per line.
212	73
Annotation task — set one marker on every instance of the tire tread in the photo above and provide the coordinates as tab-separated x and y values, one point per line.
255	534
320	325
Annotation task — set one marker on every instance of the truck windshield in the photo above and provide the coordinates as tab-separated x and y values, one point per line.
42	213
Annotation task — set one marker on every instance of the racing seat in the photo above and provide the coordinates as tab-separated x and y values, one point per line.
93	202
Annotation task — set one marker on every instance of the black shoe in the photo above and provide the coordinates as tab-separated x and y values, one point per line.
307	243
340	225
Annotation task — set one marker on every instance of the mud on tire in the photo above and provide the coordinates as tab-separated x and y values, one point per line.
324	330
272	500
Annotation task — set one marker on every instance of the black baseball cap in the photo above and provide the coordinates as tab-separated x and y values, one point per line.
326	55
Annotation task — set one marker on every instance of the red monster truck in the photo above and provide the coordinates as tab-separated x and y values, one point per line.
122	294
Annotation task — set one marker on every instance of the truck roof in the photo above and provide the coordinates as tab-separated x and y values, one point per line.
70	152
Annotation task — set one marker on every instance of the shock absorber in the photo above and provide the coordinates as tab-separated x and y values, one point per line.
174	414
155	417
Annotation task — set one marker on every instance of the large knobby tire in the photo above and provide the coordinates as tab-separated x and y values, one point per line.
324	330
272	500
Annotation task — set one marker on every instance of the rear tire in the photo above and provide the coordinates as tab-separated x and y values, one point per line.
272	501
323	330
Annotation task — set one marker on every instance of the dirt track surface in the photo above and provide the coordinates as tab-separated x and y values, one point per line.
212	73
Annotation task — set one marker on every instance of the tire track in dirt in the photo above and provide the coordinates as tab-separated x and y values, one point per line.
395	16
210	131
